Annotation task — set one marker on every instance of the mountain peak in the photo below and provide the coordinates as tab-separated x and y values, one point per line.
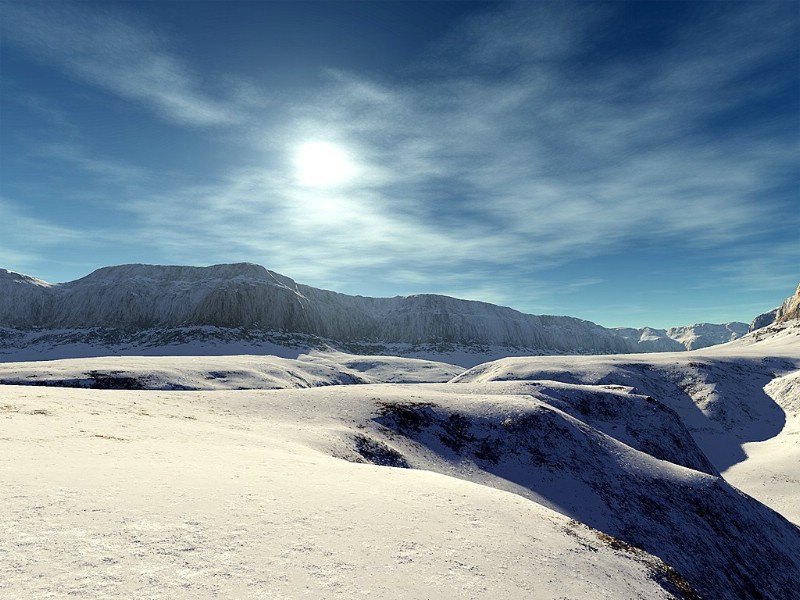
14	277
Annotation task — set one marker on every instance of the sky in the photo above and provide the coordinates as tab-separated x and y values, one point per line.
629	163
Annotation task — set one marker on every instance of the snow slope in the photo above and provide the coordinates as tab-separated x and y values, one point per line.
225	372
736	399
550	477
228	494
770	473
325	474
245	308
682	515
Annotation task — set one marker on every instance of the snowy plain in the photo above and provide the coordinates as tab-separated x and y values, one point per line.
331	475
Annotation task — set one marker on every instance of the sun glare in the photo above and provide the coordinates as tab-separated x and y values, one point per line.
322	164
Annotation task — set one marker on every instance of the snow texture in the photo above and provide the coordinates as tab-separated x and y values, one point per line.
538	477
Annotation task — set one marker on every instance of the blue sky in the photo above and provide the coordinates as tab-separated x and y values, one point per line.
630	163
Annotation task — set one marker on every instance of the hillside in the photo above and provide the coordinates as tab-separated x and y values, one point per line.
525	477
322	473
245	308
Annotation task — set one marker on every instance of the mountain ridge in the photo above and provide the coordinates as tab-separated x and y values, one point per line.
127	300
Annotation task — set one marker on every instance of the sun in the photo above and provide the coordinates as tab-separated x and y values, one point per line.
322	164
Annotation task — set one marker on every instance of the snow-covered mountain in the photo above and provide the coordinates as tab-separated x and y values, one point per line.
689	337
239	308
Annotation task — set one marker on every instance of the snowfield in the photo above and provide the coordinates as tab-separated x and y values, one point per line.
331	475
225	372
237	494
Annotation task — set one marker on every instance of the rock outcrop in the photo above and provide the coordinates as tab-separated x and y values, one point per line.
790	309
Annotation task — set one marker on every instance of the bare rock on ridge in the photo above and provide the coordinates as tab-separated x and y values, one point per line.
790	309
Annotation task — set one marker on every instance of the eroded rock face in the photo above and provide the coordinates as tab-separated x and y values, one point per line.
143	297
122	304
764	319
790	309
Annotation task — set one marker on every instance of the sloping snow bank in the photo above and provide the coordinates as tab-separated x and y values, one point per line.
771	472
225	372
113	494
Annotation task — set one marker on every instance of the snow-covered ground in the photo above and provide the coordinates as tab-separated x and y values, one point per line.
771	472
237	495
225	372
543	477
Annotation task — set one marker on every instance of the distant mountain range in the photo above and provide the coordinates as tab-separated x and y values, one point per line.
244	307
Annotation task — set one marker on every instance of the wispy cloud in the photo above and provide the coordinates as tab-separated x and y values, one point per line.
543	164
24	238
100	169
118	54
510	150
510	155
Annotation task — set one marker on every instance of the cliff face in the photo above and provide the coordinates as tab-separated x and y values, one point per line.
134	298
764	319
138	297
790	309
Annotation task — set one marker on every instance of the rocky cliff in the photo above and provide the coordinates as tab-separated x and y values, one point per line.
790	309
150	306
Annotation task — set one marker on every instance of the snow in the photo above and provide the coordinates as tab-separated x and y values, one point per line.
225	494
770	473
577	477
689	337
225	372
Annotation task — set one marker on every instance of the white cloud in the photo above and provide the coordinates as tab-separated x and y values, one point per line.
25	240
564	164
527	170
500	155
101	169
117	54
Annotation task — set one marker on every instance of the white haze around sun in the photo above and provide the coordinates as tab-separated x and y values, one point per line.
323	164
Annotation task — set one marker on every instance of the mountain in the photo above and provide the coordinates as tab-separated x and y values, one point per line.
790	309
217	309
689	337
